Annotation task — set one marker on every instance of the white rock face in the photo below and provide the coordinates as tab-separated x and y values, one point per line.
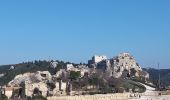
80	68
124	62
61	73
118	66
11	68
21	78
29	78
54	64
127	62
2	75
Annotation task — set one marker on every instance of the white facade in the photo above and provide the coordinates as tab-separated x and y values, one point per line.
63	86
98	59
8	92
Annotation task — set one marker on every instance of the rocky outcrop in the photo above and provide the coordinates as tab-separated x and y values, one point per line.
2	75
31	78
53	64
122	65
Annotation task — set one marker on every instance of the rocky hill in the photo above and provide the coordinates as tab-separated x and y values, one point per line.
119	66
126	63
122	65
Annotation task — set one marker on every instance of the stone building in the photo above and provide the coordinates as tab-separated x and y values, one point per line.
8	91
80	68
97	59
29	88
61	89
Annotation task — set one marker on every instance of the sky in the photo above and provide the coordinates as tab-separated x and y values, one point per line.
75	30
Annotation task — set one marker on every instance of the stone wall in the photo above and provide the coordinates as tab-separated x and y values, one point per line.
8	94
29	88
118	96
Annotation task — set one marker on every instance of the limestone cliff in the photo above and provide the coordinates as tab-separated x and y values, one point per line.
31	78
122	65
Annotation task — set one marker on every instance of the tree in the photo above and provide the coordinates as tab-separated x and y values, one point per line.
115	82
74	75
39	97
94	81
52	86
22	90
4	97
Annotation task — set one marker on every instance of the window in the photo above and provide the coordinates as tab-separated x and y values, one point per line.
43	75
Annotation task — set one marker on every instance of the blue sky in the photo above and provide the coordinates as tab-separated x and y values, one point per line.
75	30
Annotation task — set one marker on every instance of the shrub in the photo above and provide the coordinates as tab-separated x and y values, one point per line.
4	97
39	97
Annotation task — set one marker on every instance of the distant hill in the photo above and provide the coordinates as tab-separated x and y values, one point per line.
164	74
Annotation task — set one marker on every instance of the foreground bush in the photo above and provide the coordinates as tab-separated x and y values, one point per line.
39	98
4	97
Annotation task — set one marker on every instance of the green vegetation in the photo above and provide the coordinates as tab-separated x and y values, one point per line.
93	83
74	75
100	85
4	97
39	97
135	86
138	79
51	86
